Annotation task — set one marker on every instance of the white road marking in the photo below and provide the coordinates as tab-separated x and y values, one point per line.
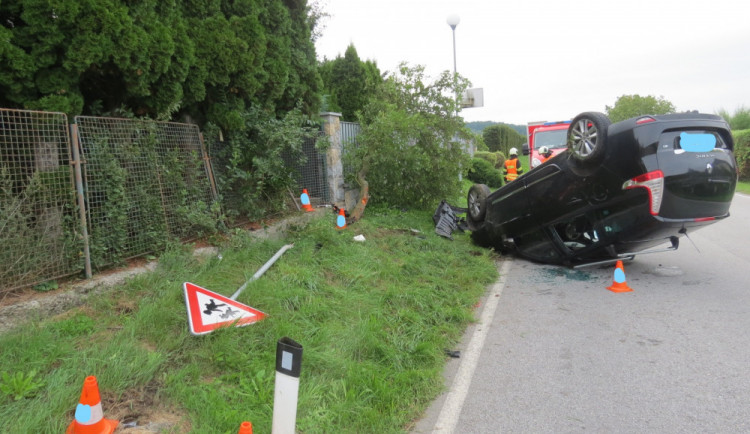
454	401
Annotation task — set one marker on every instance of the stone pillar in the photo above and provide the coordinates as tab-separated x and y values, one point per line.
335	168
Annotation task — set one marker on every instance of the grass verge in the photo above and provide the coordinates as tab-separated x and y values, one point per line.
374	319
743	187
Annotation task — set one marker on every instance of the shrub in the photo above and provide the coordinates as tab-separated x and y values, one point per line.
482	172
500	160
489	156
740	120
253	178
742	153
411	146
495	158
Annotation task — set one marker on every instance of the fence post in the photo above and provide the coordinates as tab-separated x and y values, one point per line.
81	201
209	167
335	169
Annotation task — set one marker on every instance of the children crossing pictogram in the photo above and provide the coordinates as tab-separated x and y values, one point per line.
208	310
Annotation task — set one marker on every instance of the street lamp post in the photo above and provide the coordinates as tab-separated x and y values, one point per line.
453	21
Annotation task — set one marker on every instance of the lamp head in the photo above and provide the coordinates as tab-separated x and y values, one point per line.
453	21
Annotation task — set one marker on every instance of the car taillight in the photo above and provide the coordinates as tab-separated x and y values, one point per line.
654	183
704	219
644	120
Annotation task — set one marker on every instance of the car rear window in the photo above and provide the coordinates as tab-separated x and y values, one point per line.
698	141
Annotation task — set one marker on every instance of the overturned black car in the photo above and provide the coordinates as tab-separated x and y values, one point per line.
619	189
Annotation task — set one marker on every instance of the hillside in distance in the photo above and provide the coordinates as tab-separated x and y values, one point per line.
478	126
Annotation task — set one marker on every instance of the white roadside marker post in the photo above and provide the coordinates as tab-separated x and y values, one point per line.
288	365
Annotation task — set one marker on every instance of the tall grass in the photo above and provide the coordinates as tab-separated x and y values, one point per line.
374	319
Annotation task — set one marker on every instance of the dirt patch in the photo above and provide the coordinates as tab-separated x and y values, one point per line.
140	411
19	306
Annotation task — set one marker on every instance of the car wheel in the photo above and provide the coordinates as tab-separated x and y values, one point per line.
477	202
587	136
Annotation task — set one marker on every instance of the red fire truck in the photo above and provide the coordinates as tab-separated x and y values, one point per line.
550	134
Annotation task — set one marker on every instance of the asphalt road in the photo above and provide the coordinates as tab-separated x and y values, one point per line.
554	351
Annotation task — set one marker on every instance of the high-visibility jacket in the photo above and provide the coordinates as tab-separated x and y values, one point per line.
512	169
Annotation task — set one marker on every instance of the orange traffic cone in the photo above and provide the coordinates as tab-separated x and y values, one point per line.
246	428
89	418
305	200
341	219
619	284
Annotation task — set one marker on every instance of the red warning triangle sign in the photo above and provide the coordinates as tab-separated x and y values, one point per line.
208	310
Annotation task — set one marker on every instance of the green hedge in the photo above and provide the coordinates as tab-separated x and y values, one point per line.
482	172
495	158
742	153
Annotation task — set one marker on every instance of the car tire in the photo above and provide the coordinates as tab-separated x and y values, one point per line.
477	202
587	137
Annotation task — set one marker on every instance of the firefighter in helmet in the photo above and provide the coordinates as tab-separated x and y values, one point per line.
512	166
546	153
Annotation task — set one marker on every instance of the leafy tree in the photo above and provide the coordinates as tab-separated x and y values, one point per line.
501	138
349	83
629	106
303	87
253	175
740	120
204	59
410	143
479	142
491	136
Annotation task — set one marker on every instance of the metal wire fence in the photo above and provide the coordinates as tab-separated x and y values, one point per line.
309	171
104	190
39	228
146	182
349	133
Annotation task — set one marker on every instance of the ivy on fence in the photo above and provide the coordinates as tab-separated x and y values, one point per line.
146	183
38	225
142	183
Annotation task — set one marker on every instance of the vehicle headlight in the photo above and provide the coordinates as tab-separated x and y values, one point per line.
535	162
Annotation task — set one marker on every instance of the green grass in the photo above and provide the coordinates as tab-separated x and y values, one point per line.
743	187
374	320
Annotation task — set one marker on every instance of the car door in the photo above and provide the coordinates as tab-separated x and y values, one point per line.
700	174
541	189
508	209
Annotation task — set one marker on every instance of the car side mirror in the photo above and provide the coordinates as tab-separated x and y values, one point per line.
525	149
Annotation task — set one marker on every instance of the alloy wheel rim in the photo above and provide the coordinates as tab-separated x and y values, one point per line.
474	205
584	138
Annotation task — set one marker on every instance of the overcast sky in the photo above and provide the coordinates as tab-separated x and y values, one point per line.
552	59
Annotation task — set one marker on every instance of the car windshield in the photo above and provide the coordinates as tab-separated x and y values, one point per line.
552	139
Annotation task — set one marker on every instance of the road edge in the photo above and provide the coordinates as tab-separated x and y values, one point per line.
447	408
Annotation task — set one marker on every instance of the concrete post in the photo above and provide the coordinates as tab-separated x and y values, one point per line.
335	168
